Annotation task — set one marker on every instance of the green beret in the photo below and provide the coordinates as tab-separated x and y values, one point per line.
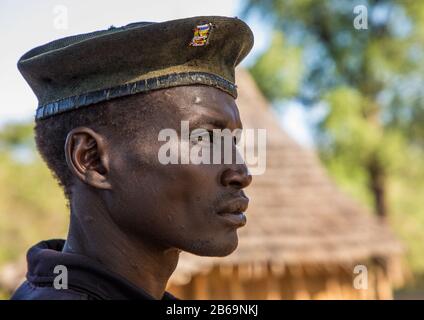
81	70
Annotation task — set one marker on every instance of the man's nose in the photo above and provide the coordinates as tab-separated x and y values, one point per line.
238	178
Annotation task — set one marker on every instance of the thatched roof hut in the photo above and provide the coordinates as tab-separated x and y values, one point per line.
303	237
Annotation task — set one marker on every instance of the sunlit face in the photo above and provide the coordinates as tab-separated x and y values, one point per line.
195	208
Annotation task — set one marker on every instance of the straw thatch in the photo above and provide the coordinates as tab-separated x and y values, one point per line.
298	220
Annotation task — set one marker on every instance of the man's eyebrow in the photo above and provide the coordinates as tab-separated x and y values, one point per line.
219	123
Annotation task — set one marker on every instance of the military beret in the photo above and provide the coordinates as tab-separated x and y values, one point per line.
81	70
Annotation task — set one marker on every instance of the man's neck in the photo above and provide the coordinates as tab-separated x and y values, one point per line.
93	233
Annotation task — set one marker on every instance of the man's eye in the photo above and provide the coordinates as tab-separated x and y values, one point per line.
204	137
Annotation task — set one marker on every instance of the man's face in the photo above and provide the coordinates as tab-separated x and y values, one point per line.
186	206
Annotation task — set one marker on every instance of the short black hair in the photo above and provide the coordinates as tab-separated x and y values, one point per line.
121	116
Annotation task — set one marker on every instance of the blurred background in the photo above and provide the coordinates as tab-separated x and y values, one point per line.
336	83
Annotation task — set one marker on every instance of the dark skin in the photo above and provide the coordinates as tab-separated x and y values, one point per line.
134	214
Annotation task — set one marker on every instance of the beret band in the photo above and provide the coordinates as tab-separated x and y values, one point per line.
166	81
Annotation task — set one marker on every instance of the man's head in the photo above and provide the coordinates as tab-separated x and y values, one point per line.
112	150
103	99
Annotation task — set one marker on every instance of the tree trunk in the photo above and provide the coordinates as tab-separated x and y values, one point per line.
378	187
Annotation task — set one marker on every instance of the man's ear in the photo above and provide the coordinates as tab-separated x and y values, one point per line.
87	157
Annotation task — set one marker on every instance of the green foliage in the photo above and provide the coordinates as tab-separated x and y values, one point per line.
356	138
32	206
279	70
13	135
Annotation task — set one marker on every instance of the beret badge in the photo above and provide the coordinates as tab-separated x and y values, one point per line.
201	35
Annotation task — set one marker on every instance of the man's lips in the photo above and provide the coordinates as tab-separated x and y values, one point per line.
233	211
235	206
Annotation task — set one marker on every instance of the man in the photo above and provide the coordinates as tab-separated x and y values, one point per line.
104	97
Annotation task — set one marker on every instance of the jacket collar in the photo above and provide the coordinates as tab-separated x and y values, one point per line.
84	273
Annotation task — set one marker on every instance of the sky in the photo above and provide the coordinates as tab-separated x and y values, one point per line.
25	24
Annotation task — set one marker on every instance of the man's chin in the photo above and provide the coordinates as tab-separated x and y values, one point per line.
214	247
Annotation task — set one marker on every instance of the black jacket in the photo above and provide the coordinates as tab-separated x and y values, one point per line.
87	279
